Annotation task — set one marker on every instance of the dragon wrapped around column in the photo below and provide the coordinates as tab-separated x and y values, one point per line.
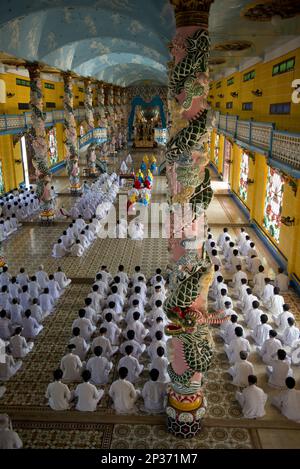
190	348
72	161
89	116
39	145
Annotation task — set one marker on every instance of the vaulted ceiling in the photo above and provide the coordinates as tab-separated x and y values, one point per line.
125	41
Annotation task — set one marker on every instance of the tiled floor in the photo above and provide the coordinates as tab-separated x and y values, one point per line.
24	400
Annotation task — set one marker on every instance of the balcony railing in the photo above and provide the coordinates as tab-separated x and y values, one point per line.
96	136
13	123
283	147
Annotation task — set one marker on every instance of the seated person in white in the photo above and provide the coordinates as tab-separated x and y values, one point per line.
136	306
154	393
221	238
279	370
90	312
106	276
282	281
237	344
22	277
138	349
9	439
268	293
137	326
107	349
122	287
34	288
16	312
85	325
71	366
248	300
156	342
81	346
99	366
42	277
5	326
58	249
160	363
8	367
102	286
261	332
233	261
241	370
227	332
157	295
61	278
77	249
281	319
228	309
288	401
131	363
143	287
46	302
156	312
259	282
24	298
31	328
290	334
117	317
223	297
122	274
113	331
252	399
159	325
54	288
269	349
252	318
214	258
253	264
88	396
58	394
37	312
14	288
123	394
18	345
153	281
96	298
116	298
276	302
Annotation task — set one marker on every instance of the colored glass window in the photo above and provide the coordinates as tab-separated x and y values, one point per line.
283	67
244	172
249	76
53	152
247	106
280	108
273	203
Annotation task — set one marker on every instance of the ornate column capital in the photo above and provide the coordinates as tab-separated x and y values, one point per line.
191	12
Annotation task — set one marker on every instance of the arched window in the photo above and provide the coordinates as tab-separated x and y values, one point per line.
273	203
217	149
53	146
244	171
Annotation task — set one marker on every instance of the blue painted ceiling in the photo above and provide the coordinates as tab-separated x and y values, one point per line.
124	41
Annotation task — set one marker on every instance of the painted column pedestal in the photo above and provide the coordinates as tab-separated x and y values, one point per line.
89	115
72	161
40	145
190	348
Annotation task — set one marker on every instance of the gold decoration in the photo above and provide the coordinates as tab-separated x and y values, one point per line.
184	196
191	12
264	11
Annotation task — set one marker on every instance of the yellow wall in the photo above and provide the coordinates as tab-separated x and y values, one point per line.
275	89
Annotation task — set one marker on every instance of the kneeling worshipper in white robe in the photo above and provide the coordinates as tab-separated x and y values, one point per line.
46	301
154	393
16	312
99	366
108	350
288	401
88	396
9	439
58	249
54	288
8	367
236	280
62	279
223	298
113	331
290	334
268	350
268	293
82	347
131	363
159	325
282	281
259	282
241	370
138	327
281	319
24	298
227	332
261	332
116	298
123	394
237	344
31	328
279	370
122	274
18	345
22	277
71	366
5	326
160	363
228	309
252	317
156	342
276	302
254	263
37	312
97	300
77	249
90	313
252	399
42	277
136	230
58	394
85	325
138	349
34	288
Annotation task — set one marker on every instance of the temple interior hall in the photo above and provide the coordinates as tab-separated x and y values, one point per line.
149	182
